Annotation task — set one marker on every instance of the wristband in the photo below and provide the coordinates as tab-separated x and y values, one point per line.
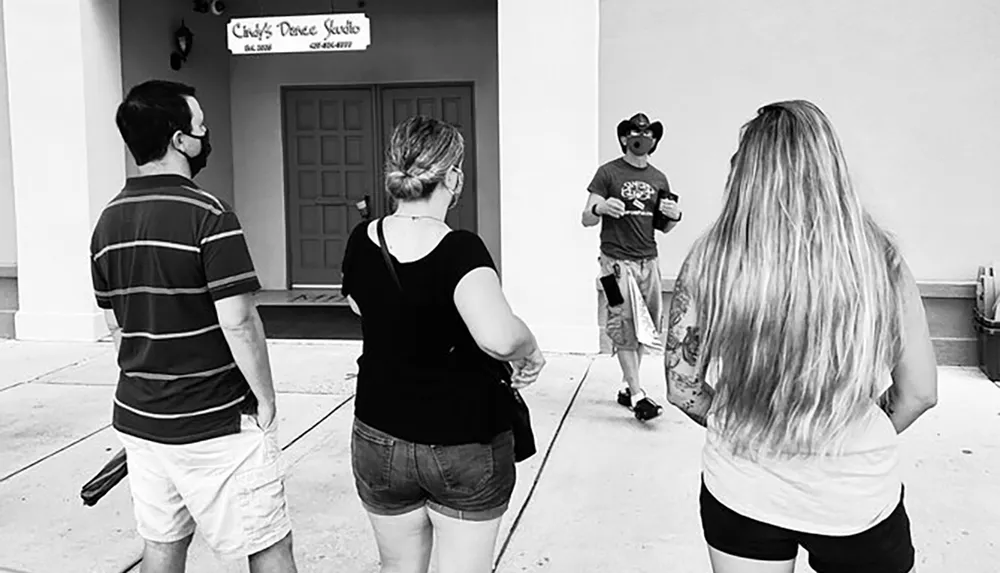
593	209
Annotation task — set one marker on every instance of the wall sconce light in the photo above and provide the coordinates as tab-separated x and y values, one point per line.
183	41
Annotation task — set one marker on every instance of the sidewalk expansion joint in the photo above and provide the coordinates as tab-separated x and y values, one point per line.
541	467
55	453
50	373
318	422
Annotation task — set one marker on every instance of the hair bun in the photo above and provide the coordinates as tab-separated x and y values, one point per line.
402	185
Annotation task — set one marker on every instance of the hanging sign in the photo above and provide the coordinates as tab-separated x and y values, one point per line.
289	34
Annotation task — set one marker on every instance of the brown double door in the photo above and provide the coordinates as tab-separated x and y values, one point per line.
335	141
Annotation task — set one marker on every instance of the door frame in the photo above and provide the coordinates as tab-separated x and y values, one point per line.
379	201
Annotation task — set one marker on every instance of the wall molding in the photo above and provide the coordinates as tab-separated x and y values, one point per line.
947	289
8	300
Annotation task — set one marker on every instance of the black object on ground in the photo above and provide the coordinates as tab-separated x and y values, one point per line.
988	334
109	476
304	322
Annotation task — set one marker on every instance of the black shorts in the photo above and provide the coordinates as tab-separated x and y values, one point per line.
885	548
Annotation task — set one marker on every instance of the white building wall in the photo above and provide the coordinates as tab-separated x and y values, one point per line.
548	151
8	234
911	86
66	156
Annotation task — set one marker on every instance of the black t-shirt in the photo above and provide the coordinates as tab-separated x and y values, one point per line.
632	237
421	376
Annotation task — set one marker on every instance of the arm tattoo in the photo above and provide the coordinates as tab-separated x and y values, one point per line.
692	343
671	346
691	395
684	383
686	391
679	304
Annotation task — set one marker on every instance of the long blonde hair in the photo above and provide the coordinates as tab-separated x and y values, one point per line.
797	291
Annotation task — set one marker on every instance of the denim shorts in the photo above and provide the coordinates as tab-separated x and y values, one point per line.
471	482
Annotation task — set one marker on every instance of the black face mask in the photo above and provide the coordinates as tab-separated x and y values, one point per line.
198	162
640	144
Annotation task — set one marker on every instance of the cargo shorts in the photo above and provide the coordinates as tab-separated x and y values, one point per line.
619	320
231	488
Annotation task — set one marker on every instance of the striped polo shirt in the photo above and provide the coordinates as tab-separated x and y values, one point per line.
162	253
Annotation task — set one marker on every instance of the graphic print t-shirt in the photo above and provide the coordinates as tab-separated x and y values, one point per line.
632	236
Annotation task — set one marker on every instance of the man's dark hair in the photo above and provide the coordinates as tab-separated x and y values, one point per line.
150	115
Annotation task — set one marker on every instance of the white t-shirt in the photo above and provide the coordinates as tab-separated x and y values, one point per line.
835	495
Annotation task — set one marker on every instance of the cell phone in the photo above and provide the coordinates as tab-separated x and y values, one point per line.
614	294
659	221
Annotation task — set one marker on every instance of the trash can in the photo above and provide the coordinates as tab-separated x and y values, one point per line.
988	333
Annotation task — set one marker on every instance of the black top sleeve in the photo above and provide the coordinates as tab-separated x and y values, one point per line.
466	253
350	255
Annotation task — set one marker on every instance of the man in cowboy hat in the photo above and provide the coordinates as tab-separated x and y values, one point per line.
631	199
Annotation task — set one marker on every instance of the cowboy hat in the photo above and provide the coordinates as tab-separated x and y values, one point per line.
640	122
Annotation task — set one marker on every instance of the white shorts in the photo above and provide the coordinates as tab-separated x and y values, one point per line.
231	487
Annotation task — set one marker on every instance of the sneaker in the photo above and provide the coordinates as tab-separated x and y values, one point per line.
625	397
646	409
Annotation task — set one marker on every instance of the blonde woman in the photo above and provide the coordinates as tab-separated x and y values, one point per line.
798	338
432	448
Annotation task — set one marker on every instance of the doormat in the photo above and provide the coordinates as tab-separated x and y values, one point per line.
310	322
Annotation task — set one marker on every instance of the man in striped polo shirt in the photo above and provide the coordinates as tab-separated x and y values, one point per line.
195	403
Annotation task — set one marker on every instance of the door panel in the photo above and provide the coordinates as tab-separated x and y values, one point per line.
452	104
330	166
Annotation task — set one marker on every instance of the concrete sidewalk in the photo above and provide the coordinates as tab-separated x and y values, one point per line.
605	493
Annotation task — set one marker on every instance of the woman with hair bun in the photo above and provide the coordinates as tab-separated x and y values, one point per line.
432	449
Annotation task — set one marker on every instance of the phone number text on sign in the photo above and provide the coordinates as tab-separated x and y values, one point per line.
313	33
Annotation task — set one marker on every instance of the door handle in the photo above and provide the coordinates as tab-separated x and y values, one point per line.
328	201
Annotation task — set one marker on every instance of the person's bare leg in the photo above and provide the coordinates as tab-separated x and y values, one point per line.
629	361
404	541
165	557
725	563
464	546
277	558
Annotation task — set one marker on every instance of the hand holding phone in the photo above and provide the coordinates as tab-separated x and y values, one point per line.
667	210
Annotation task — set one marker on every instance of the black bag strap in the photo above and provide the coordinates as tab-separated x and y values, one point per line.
385	255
